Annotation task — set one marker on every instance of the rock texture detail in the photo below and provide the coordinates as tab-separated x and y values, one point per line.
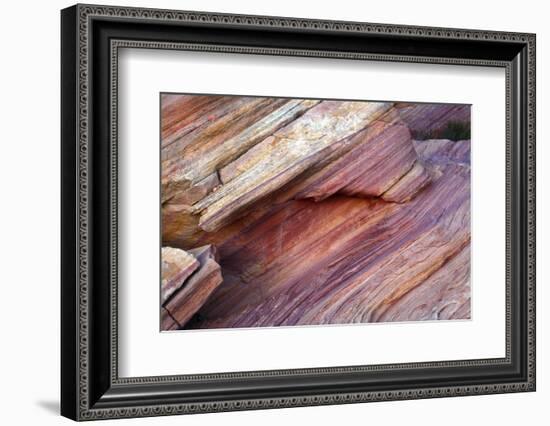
177	265
197	274
312	212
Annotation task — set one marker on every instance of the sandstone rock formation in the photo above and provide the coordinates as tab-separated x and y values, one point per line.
322	212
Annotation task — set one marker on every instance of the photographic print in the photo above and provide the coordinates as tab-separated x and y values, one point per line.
303	212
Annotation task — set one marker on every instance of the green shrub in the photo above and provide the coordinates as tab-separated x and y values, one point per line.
453	130
456	131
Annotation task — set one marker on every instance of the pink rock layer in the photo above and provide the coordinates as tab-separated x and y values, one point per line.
366	226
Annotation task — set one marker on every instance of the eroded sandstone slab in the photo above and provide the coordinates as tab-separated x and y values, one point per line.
289	152
196	290
177	266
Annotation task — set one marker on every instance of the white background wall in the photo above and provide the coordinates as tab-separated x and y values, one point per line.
29	212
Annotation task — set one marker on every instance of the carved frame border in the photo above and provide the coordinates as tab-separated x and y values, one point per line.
85	13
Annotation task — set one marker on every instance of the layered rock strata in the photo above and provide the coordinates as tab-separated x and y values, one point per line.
322	212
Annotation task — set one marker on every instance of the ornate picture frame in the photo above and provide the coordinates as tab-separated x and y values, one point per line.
91	37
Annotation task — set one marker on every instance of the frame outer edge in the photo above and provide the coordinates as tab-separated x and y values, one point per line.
80	318
68	152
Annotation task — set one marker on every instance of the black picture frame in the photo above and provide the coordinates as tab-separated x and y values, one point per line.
90	38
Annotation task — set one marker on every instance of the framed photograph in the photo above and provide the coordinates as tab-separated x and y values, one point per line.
263	212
